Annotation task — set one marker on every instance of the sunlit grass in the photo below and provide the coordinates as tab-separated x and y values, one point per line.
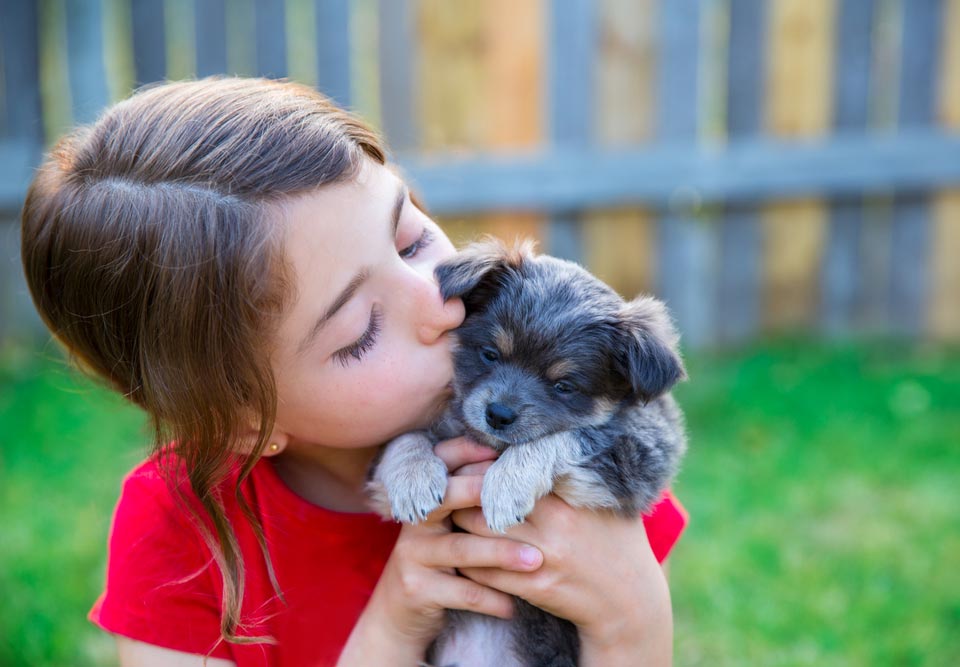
823	484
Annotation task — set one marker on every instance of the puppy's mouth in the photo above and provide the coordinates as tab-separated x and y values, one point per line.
487	438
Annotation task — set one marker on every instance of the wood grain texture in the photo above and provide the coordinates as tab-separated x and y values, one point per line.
619	243
944	305
799	106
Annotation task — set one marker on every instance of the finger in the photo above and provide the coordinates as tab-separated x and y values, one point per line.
453	592
461	492
471	519
512	583
465	550
458	452
473	468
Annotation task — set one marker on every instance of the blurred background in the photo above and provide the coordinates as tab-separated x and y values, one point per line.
784	173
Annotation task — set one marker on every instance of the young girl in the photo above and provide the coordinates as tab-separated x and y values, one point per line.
237	258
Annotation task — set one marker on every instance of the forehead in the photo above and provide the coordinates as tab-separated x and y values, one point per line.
326	230
328	235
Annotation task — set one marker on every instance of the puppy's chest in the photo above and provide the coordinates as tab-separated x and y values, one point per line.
475	640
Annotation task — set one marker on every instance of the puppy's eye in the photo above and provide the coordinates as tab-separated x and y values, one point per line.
563	387
489	354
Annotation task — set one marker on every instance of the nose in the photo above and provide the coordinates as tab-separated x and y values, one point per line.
436	316
499	415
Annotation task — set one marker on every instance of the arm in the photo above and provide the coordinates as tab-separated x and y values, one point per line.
419	582
599	572
132	653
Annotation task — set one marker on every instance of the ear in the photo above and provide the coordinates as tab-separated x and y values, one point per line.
648	356
475	272
249	438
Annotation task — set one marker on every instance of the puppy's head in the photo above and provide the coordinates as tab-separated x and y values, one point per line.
546	346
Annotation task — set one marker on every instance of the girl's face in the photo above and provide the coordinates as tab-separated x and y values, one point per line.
364	352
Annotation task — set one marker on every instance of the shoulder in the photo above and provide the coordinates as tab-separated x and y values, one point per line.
665	522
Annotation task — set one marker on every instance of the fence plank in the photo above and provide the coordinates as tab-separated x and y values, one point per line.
270	18
210	36
944	311
333	49
398	86
149	41
618	242
570	84
738	297
910	232
513	63
841	288
685	244
798	106
19	56
88	78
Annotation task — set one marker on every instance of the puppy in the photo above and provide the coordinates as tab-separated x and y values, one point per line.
568	382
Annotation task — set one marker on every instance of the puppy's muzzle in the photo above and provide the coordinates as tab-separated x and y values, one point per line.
499	416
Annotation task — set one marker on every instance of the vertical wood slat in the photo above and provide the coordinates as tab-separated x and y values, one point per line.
738	298
910	232
572	39
686	245
513	64
149	41
333	50
20	57
841	289
270	19
943	318
21	129
798	107
88	78
398	87
618	243
210	36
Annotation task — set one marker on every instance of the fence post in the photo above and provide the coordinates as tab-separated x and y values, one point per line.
572	38
686	244
841	288
910	234
741	247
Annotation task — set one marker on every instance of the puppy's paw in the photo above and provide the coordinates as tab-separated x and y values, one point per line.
504	504
417	490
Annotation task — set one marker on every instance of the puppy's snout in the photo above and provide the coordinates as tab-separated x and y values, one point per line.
499	415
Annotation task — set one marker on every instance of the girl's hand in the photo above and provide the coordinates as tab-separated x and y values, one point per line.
406	610
598	572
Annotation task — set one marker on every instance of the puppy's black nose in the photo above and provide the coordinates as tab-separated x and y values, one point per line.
499	415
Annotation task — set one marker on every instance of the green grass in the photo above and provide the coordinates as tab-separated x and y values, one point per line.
824	489
823	483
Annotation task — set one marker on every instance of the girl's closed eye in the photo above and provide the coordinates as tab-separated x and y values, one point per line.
426	238
364	343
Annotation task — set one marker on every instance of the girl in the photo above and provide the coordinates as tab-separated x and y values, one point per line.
237	258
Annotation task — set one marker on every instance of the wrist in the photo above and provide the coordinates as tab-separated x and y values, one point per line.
630	641
375	641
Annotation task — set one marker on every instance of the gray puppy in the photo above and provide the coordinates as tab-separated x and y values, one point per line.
568	382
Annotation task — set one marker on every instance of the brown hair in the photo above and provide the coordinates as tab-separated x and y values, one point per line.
151	255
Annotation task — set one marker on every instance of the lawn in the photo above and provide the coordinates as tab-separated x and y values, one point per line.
823	483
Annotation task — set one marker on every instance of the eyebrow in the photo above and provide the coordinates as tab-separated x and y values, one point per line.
361	277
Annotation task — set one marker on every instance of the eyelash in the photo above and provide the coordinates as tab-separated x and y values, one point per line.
412	250
369	337
364	343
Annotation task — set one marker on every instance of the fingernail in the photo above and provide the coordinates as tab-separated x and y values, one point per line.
530	556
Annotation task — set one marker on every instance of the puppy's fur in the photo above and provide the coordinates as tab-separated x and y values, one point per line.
568	382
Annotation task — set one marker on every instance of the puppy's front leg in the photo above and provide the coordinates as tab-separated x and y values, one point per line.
523	474
410	480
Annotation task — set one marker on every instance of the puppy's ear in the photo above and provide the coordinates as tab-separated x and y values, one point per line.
476	272
648	356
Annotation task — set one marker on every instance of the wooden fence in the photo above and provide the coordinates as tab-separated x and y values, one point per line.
764	166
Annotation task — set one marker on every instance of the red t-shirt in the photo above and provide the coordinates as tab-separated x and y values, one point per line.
163	588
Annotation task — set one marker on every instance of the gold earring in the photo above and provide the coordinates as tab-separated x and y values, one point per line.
274	447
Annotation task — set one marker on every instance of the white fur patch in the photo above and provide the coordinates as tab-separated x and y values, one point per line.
480	641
